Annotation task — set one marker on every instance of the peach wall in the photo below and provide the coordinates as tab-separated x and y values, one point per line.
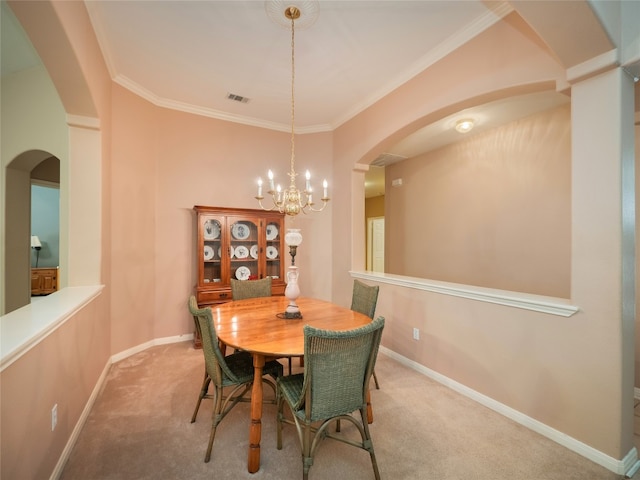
563	372
33	123
165	162
63	369
504	57
134	152
503	61
62	35
493	210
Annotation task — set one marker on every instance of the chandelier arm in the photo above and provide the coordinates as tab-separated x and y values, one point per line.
324	204
263	207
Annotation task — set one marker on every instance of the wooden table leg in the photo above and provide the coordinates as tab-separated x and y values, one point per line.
255	429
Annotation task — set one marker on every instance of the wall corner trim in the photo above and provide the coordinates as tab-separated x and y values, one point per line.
593	67
83	122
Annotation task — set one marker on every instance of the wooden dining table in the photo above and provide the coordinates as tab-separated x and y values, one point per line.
254	325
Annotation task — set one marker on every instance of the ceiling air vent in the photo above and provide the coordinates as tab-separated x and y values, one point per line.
385	159
237	98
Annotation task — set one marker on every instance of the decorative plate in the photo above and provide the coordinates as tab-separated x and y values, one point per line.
272	231
231	252
211	230
208	252
243	273
241	252
254	251
272	252
240	231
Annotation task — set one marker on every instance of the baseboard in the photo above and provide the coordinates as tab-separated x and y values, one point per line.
596	456
151	343
73	438
57	471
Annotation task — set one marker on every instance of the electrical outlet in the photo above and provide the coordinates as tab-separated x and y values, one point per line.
416	334
54	417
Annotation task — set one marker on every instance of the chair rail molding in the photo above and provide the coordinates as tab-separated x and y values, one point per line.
537	303
26	327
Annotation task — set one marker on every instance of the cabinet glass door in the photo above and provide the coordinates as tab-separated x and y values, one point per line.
212	250
273	253
244	249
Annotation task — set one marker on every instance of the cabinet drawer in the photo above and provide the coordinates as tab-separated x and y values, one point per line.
277	289
209	297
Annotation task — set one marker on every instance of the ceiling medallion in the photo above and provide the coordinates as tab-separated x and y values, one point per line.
308	12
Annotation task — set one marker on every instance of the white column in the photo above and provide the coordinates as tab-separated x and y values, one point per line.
84	222
603	253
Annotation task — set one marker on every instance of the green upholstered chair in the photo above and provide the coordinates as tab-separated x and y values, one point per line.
364	300
234	371
241	289
334	385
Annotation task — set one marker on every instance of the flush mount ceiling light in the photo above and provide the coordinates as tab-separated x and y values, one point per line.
464	125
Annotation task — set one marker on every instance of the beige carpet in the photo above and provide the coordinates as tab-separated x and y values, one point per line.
139	428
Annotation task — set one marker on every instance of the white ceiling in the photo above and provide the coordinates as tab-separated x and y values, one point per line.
189	55
193	53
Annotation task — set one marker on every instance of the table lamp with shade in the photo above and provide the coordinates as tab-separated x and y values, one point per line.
37	246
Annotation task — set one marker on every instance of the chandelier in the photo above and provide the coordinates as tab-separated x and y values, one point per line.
291	200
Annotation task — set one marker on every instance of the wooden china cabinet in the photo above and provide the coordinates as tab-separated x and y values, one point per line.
238	243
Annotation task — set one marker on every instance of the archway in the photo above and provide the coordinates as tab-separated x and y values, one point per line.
17	227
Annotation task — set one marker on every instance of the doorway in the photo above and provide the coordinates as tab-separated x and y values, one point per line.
375	244
21	172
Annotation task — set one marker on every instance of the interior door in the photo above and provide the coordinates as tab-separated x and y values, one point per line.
375	244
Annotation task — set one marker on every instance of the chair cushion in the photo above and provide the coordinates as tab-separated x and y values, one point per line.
291	389
241	364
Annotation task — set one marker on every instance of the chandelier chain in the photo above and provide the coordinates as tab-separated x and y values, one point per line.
292	174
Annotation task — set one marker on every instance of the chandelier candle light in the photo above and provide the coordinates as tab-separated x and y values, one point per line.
292	201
